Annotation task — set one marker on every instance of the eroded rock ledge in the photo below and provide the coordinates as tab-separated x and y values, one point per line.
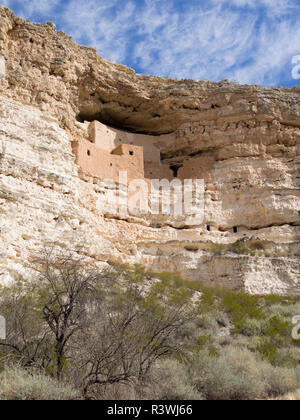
243	140
45	67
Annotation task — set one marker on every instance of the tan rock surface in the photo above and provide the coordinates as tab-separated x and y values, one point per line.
245	140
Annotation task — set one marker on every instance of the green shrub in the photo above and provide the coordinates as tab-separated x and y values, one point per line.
170	380
232	376
279	381
250	247
238	374
240	306
253	327
217	249
277	335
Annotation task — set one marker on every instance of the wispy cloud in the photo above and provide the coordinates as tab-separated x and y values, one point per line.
30	8
250	41
102	24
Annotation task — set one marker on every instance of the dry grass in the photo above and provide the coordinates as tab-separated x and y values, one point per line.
292	396
28	385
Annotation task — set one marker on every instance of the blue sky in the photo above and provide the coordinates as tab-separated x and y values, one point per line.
248	41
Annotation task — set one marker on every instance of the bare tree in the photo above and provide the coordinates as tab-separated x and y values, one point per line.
130	332
45	313
66	283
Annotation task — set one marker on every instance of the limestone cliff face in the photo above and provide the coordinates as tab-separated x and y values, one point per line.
243	140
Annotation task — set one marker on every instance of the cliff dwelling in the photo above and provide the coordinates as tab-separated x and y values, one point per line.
109	151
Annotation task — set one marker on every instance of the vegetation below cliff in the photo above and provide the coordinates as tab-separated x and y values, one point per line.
127	333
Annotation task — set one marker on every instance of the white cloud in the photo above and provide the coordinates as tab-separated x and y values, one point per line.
95	23
222	42
28	8
273	52
251	41
272	7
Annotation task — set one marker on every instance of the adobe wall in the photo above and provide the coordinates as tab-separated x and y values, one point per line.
108	139
99	163
158	171
197	168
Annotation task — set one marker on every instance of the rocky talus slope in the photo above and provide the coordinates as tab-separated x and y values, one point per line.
51	89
